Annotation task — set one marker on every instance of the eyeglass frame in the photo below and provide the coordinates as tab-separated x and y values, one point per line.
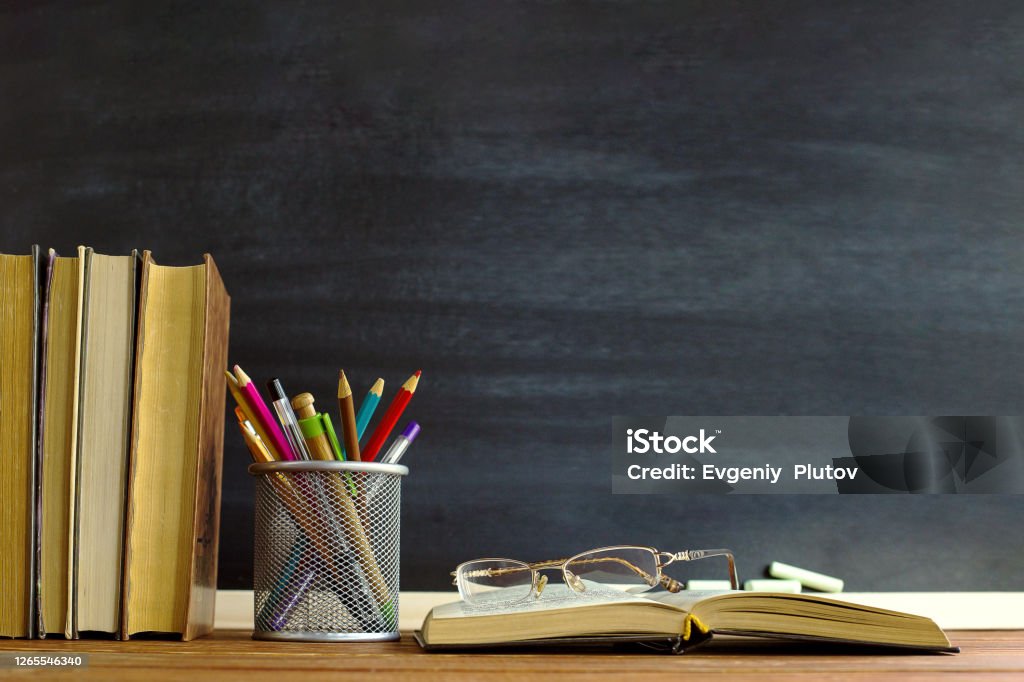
662	560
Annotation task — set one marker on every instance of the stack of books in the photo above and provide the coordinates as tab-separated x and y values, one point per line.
111	440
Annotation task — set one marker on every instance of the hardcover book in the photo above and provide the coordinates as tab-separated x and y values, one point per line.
19	350
109	295
177	441
58	423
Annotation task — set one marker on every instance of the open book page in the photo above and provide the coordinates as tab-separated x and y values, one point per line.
806	615
807	605
554	597
687	599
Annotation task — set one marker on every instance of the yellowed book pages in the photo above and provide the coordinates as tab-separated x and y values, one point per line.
59	432
164	460
17	416
604	612
104	417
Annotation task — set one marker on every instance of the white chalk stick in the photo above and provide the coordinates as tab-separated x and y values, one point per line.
809	579
708	585
768	585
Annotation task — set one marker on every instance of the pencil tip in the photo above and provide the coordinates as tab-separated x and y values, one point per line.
378	387
413	381
230	377
344	390
243	378
418	372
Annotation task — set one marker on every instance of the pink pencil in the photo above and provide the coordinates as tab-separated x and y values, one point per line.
259	410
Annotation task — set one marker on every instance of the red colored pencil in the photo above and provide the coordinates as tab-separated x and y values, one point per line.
390	418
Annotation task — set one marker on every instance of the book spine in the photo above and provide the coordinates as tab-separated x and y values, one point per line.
38	279
209	458
70	620
147	262
137	272
46	268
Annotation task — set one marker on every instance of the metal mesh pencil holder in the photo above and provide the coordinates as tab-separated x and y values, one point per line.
327	550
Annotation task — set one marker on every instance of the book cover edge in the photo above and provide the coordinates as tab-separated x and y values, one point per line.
202	588
37	498
70	619
147	261
32	631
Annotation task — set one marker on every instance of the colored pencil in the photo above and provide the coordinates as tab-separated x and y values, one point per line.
368	406
352	526
297	501
256	447
285	596
293	500
390	418
250	415
263	421
349	430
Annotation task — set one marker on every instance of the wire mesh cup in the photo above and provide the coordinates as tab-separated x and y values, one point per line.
326	551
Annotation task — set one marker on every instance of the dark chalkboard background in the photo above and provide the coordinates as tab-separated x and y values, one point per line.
562	212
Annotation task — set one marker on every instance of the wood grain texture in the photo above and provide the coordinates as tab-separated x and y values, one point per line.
562	212
986	655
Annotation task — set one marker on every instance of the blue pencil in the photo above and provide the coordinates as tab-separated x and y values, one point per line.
369	405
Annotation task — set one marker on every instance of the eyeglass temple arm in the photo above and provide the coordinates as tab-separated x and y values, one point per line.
692	555
490	572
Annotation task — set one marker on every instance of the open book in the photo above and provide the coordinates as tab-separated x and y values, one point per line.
688	617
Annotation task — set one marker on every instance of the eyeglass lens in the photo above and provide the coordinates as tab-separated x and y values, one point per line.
625	569
495	581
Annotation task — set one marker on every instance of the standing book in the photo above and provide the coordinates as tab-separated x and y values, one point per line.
19	351
58	423
109	296
173	513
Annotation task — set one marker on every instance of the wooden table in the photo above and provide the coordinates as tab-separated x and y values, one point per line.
231	654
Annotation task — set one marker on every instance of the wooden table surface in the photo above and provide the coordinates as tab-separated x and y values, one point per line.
231	654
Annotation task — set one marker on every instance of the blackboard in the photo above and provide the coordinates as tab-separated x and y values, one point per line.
561	212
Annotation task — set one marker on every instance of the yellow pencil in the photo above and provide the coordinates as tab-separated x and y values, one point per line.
291	499
236	393
257	449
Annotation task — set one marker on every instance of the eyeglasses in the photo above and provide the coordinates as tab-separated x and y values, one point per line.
624	568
